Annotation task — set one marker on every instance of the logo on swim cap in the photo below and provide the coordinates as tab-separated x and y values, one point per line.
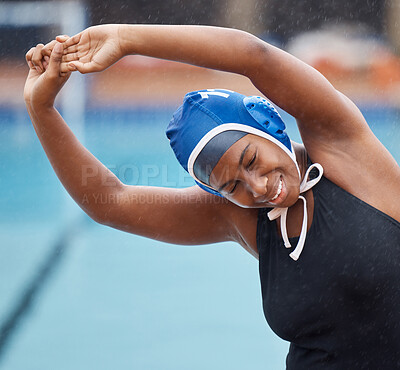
266	115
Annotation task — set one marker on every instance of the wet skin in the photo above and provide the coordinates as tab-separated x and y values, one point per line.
252	170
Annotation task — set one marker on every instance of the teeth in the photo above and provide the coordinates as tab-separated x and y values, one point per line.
279	190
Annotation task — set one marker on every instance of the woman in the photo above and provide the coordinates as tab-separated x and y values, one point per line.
333	293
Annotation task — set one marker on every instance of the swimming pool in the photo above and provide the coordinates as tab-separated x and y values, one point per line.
75	294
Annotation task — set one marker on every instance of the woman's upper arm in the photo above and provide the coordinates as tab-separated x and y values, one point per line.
303	92
180	216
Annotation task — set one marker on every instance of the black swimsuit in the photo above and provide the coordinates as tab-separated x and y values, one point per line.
339	304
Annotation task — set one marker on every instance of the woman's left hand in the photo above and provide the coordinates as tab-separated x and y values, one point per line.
42	87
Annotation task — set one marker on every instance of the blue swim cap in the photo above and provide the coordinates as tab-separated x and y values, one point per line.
206	113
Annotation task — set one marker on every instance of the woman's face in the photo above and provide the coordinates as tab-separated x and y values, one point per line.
256	173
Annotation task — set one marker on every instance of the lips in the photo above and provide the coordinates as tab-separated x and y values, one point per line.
279	192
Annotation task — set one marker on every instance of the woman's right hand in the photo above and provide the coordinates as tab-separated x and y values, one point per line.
92	50
42	87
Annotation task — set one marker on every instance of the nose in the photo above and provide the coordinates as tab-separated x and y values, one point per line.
257	184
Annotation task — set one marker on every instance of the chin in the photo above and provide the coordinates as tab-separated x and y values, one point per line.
292	198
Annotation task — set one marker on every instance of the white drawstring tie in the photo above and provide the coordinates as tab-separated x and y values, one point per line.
282	213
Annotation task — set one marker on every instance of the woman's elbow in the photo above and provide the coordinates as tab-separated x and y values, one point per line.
100	207
256	51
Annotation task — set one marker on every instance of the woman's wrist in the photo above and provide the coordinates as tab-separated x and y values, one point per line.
126	39
40	106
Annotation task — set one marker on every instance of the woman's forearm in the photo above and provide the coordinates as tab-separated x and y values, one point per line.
83	176
212	47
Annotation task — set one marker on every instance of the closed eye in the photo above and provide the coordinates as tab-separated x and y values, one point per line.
234	188
252	160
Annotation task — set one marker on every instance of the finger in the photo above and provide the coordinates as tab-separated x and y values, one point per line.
28	55
65	74
73	40
55	60
82	67
71	49
37	58
64	68
48	48
70	57
46	62
62	38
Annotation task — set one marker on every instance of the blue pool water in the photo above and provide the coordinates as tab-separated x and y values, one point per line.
77	295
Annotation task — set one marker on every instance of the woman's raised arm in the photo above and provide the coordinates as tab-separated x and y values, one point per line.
293	85
182	216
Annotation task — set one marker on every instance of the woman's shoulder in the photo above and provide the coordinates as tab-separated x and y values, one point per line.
244	225
363	167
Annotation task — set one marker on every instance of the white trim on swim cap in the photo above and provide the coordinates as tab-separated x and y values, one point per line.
238	127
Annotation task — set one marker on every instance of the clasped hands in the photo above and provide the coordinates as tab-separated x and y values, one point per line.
91	50
50	65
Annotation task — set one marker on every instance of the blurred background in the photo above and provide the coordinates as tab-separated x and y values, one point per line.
74	294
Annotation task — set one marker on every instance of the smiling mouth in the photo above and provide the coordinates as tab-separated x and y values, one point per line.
278	191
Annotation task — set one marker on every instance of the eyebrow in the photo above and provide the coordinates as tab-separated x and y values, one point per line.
240	164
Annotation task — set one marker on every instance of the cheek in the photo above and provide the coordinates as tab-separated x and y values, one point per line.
291	175
293	182
241	199
293	188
